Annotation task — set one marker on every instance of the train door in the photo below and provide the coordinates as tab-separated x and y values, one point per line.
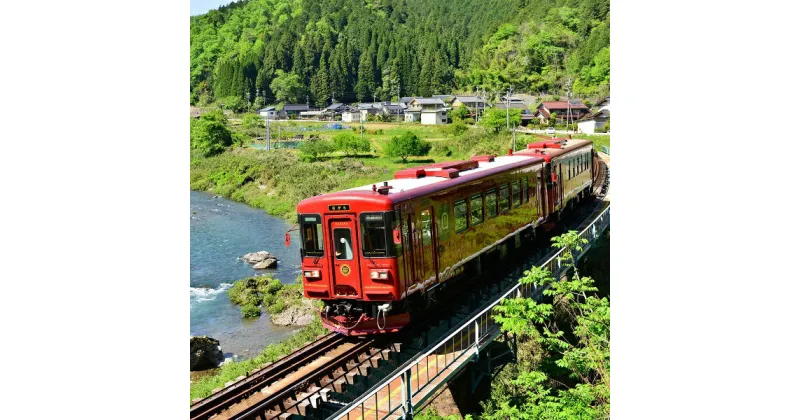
428	241
345	260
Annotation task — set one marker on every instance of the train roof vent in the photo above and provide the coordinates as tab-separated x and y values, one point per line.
550	144
444	170
483	158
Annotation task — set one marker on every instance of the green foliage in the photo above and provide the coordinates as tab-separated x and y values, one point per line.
495	118
460	113
423	47
254	292
277	180
252	121
315	148
287	87
350	143
571	336
209	135
407	144
251	310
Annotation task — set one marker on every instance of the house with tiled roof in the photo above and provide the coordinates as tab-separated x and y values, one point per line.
593	123
473	103
575	109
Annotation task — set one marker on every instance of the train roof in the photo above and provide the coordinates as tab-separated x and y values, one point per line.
552	148
427	179
435	177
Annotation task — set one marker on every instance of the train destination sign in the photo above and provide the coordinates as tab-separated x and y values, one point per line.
339	207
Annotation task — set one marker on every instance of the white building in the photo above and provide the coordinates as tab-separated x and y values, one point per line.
351	116
593	123
412	116
434	116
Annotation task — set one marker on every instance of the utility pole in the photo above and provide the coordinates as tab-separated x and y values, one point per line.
514	140
569	96
267	130
508	104
477	104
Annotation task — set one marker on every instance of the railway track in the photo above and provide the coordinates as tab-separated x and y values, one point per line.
321	377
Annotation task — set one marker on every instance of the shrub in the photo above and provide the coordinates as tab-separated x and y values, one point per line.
276	307
315	148
209	135
252	121
407	144
250	310
350	143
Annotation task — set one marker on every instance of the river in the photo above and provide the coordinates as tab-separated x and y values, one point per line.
221	232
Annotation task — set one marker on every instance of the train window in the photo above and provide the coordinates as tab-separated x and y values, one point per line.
525	189
425	224
373	235
491	203
311	235
460	215
398	233
504	203
515	191
343	243
476	209
444	221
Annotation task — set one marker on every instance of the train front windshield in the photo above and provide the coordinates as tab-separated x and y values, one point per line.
311	235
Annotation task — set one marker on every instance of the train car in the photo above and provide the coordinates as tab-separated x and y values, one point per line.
569	171
373	254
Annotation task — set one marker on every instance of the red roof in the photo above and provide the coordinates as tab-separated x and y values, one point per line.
558	105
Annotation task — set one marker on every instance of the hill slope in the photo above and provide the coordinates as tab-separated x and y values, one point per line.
254	51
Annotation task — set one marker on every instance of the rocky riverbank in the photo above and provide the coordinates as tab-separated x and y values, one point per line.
284	303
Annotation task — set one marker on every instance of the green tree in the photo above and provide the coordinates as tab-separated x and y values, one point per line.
315	148
350	143
573	335
407	144
495	118
252	121
287	87
320	85
209	135
461	113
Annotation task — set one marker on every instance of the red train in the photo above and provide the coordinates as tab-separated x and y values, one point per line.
373	254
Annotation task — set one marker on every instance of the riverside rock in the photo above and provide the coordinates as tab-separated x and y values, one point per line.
270	262
205	353
301	315
256	257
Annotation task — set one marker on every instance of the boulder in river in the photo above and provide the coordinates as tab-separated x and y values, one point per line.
256	257
270	262
205	353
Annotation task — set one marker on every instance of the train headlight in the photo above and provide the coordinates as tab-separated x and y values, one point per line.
312	274
379	275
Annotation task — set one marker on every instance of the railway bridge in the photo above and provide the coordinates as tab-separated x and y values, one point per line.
414	383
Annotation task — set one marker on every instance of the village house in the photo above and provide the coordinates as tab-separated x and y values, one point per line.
576	110
593	123
334	110
433	116
368	109
392	110
527	114
294	110
473	103
271	112
420	104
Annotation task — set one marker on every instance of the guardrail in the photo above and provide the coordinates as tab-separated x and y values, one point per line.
419	377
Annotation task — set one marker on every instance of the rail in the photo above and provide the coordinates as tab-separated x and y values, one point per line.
419	377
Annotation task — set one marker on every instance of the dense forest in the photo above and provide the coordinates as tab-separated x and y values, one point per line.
254	52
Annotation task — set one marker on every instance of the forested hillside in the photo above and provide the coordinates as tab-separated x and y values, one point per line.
257	51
